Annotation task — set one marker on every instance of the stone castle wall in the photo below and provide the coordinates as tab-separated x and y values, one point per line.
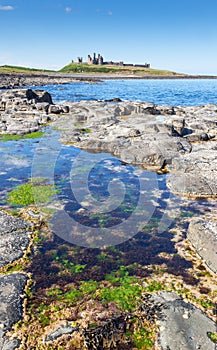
98	60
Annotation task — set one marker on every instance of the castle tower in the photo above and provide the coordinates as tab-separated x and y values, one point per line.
94	59
100	59
89	60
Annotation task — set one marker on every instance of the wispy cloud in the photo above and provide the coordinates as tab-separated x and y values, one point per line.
68	9
6	8
110	13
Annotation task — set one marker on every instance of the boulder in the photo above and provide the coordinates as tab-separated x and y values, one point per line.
178	126
54	109
11	311
14	238
23	111
39	96
203	236
182	326
194	174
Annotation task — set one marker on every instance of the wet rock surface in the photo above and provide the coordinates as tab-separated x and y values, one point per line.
182	326
11	291
14	238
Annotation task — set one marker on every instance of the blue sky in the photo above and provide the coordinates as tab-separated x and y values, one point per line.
175	35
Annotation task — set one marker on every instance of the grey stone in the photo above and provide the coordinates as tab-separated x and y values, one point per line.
65	329
10	223
9	344
42	106
178	126
65	109
203	236
54	109
181	140
182	326
11	311
194	174
14	238
23	110
39	96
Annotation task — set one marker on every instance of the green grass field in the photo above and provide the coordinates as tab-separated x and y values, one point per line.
73	68
17	69
109	69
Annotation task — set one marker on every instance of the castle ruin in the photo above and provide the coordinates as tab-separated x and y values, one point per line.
95	60
98	60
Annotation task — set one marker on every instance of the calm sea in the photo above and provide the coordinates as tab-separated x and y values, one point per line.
173	92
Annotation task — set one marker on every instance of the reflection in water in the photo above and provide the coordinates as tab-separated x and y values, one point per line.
151	244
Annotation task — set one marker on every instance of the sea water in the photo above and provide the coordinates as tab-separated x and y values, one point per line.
189	92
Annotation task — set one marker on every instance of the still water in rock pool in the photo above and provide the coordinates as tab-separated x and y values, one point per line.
105	200
108	203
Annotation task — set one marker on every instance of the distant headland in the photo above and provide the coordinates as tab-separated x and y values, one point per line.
99	60
94	70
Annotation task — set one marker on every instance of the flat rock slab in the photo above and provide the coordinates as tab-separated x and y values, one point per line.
11	291
14	238
182	325
203	236
182	140
24	111
195	173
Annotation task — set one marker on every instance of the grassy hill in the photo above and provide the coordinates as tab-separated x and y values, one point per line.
109	69
74	68
17	69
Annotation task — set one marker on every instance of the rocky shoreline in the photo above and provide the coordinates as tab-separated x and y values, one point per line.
178	140
17	80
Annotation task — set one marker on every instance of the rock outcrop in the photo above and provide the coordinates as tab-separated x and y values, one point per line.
11	299
203	236
181	140
24	111
15	236
182	326
16	80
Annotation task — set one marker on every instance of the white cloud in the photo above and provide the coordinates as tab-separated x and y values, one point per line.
68	9
104	12
6	8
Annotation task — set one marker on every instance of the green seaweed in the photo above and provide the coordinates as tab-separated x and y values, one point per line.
11	137
129	292
30	192
72	296
154	286
143	339
212	336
